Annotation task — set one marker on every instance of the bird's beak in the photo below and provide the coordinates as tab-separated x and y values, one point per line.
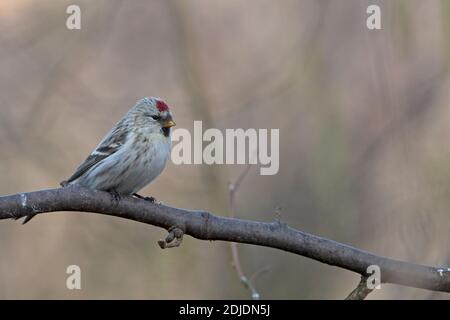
168	124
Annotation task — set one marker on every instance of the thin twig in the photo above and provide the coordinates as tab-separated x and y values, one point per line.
232	188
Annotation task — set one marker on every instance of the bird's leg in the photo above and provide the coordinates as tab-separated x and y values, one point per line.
115	196
173	239
151	199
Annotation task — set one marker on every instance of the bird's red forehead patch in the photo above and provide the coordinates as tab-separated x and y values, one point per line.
162	106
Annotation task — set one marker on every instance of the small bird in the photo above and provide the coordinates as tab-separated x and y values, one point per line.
131	155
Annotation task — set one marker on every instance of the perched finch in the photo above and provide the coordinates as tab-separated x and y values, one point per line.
132	154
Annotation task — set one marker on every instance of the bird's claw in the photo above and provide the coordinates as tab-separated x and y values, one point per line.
115	196
173	239
150	199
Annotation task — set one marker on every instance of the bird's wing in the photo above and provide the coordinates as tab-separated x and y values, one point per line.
113	141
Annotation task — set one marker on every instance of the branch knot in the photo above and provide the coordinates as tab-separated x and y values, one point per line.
173	239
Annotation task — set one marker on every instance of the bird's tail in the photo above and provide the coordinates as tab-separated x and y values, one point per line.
28	218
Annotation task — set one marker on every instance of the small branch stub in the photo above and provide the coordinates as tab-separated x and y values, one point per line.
361	291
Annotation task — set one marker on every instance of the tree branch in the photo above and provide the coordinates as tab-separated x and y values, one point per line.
205	226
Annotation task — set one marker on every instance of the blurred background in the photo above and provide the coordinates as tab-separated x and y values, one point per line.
364	130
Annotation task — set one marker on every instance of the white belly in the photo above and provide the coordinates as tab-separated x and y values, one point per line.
131	168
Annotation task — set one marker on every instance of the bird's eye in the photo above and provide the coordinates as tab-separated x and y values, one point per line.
155	117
